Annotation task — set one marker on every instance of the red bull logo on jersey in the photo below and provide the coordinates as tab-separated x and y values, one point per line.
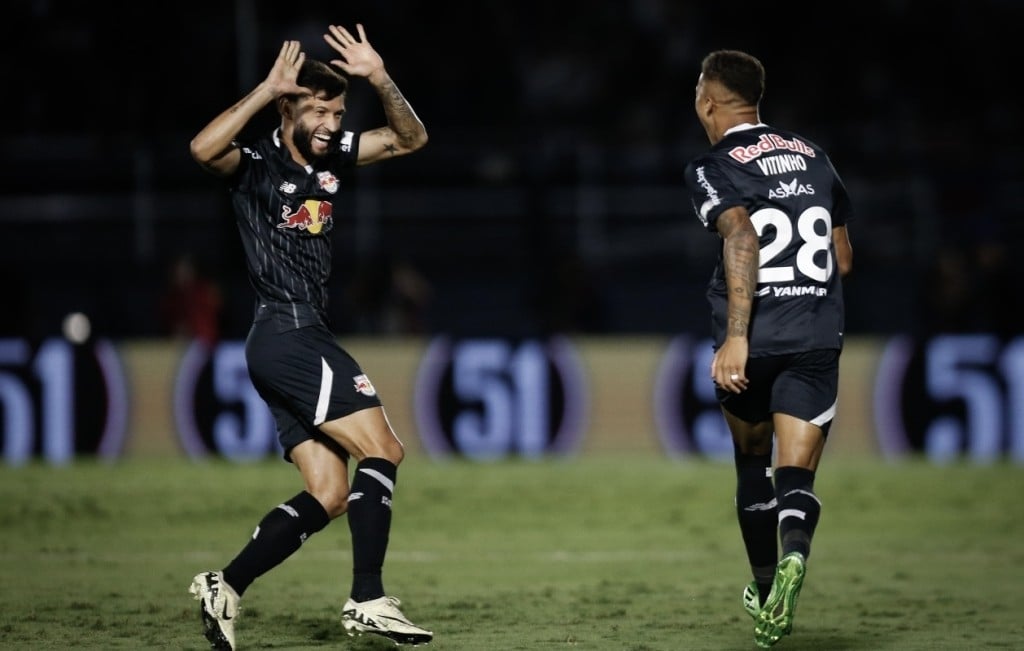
328	181
363	385
768	143
312	216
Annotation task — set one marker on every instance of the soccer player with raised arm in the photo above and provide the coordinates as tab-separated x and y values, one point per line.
283	187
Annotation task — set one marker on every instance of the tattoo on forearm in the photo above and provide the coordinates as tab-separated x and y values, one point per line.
399	114
737	327
741	260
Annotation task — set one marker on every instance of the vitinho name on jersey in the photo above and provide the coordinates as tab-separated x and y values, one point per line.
782	164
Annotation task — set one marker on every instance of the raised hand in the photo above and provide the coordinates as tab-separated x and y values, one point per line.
359	59
281	79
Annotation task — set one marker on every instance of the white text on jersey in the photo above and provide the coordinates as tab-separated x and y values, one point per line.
770	142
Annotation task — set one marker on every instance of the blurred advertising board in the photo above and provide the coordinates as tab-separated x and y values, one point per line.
947	397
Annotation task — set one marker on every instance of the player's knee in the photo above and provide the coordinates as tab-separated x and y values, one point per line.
337	506
333	498
393	451
378	447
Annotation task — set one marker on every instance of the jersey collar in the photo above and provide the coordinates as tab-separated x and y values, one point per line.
276	136
743	127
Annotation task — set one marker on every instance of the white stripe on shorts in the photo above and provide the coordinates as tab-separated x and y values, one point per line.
326	380
826	415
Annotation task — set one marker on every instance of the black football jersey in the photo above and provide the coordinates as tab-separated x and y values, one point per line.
285	213
794	197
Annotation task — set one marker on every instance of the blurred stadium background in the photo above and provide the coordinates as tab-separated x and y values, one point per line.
558	135
549	200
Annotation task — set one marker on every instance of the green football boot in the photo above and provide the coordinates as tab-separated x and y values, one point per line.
751	599
775	618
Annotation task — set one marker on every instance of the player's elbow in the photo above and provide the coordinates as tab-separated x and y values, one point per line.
843	250
216	162
418	141
195	149
201	155
845	266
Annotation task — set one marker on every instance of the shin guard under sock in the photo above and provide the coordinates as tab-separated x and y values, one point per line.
369	520
799	509
279	534
758	516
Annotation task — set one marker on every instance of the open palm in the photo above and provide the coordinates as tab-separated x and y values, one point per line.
359	59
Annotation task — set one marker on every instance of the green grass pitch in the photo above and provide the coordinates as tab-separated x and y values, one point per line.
598	553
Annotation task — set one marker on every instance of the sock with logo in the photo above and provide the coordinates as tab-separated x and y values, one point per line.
756	510
799	509
279	534
369	520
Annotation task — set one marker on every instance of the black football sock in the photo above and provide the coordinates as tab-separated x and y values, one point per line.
799	509
369	520
279	534
758	516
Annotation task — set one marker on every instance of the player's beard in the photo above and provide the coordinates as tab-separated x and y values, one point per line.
302	138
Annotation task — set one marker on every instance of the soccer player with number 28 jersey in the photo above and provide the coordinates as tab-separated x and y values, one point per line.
780	212
283	187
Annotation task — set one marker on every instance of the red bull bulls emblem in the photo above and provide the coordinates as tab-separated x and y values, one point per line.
327	181
363	386
311	216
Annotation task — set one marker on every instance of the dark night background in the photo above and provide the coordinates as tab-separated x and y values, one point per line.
550	196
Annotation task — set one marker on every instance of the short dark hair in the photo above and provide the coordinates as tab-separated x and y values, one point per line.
321	77
738	71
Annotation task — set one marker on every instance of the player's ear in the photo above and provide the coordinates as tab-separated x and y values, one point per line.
285	107
705	107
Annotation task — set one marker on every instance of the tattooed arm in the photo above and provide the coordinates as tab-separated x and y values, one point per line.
405	132
740	259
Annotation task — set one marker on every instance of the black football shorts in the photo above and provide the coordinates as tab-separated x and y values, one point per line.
307	379
804	385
